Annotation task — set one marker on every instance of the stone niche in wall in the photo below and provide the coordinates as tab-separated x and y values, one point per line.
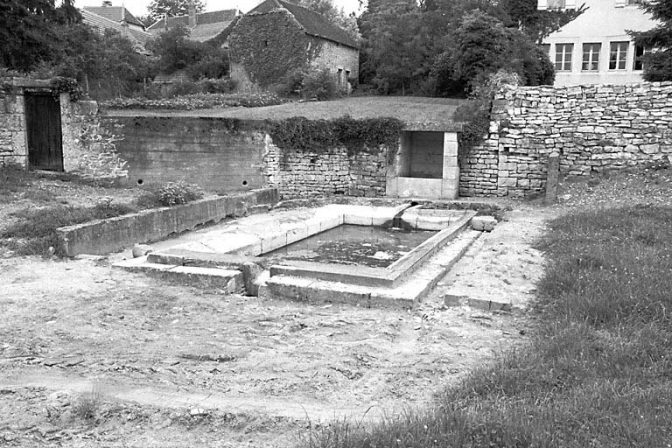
424	166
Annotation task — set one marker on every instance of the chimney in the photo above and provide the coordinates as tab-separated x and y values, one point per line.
192	15
107	3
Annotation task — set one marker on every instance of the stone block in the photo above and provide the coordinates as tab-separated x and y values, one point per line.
483	223
251	273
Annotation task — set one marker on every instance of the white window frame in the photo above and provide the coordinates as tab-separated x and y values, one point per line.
565	57
591	63
620	50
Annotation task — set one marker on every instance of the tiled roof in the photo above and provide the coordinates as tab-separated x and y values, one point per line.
101	24
208	24
312	22
114	13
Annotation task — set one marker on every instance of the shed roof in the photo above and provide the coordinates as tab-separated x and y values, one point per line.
313	23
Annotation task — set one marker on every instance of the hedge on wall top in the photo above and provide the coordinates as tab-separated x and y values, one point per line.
365	135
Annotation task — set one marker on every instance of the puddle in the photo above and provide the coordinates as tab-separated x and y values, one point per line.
347	244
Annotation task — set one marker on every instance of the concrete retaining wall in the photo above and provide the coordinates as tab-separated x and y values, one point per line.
114	234
229	155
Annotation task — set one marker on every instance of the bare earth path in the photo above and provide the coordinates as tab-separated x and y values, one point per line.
167	365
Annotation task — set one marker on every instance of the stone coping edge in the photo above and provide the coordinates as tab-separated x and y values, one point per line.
381	277
103	236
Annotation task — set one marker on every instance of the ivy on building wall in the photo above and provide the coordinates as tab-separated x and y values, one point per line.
270	45
365	135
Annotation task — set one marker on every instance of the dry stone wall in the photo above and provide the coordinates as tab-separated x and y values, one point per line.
13	150
592	129
331	172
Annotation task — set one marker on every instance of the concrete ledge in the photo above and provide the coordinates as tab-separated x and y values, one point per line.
227	280
114	234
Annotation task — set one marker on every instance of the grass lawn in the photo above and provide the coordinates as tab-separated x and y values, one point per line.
419	112
598	370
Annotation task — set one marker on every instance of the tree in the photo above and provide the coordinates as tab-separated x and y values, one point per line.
482	46
159	8
658	61
29	31
176	52
535	23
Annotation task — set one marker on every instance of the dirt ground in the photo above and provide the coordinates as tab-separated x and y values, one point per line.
95	356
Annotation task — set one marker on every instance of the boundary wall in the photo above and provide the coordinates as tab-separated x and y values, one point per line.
592	129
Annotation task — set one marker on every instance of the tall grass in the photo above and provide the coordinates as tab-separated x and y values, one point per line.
598	369
35	233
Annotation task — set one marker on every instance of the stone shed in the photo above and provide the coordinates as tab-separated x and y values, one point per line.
278	37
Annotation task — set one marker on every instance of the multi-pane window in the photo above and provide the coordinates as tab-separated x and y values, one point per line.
639	53
563	57
618	55
591	57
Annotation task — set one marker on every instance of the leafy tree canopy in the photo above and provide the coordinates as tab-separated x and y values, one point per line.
176	52
442	47
29	31
538	24
658	60
158	8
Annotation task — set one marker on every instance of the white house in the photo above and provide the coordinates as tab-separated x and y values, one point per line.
596	48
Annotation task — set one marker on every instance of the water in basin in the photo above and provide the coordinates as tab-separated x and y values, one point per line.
352	245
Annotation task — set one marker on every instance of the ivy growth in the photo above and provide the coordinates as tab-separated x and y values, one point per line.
61	84
365	135
270	45
476	112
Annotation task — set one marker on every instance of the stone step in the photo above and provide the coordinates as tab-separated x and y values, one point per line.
451	300
228	281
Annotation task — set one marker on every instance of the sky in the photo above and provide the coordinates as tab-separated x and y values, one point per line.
139	7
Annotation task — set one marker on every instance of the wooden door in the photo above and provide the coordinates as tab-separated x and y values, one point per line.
43	128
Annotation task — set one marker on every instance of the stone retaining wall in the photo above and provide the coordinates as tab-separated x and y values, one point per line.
326	173
591	128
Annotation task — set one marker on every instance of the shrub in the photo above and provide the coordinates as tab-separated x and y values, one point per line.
318	84
175	193
183	88
222	85
476	112
197	101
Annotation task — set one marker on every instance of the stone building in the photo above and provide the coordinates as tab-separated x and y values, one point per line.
596	48
277	37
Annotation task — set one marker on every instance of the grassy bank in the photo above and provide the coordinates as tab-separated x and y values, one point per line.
598	369
33	227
